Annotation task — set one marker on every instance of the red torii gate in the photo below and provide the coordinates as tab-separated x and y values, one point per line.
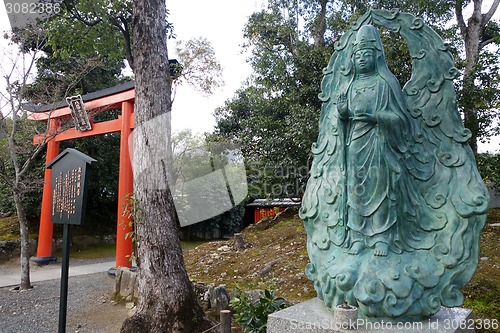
119	97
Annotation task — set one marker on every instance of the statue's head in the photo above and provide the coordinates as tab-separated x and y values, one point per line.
368	50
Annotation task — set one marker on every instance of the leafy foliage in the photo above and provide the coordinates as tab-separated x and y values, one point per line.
201	69
132	213
91	28
252	315
273	117
481	93
6	200
479	35
489	168
60	77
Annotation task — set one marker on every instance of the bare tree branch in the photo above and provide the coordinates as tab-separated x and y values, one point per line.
460	17
486	42
487	17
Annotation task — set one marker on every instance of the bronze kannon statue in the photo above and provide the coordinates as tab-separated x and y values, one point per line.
394	204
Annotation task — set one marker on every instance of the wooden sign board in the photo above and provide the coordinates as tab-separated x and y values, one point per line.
70	171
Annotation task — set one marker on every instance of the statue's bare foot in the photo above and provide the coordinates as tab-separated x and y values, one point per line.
356	248
381	249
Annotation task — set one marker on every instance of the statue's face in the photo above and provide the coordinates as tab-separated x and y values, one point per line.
364	60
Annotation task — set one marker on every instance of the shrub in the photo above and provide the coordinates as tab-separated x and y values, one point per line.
252	315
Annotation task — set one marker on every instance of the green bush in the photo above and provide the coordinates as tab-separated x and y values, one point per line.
252	315
489	168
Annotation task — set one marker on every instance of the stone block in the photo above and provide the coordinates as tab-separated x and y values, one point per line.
314	317
135	291
202	293
219	298
128	280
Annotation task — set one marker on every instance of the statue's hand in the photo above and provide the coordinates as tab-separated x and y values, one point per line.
342	106
365	117
386	117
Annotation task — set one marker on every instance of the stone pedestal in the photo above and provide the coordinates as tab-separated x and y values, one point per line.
314	317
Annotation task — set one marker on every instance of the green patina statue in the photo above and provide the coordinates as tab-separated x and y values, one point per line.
394	204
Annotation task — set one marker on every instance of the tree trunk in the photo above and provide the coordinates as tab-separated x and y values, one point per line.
472	34
320	25
239	243
24	234
471	119
166	301
472	37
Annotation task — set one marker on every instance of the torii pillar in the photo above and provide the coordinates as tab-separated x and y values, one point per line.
125	190
44	251
122	97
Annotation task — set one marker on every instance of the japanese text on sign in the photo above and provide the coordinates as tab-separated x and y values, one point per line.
67	188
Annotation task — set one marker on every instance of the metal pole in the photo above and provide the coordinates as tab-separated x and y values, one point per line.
63	299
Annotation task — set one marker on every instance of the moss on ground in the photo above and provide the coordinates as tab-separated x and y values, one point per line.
106	250
90	252
482	293
281	243
9	228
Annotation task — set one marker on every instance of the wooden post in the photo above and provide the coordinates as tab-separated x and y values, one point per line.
225	321
239	242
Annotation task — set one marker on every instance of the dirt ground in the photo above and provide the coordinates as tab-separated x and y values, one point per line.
90	306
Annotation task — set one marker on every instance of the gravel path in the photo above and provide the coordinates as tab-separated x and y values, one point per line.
90	308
